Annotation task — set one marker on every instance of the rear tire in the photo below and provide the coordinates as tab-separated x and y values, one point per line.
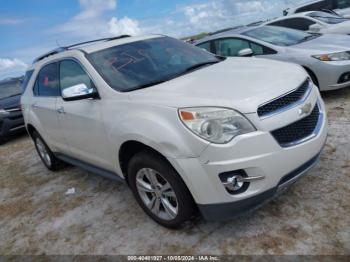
159	190
47	157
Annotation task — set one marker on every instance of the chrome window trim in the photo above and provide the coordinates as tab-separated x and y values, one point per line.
286	108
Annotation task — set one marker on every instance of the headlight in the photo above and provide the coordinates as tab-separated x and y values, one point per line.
216	125
334	57
3	112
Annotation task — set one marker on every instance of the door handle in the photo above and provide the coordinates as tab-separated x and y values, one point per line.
35	105
60	110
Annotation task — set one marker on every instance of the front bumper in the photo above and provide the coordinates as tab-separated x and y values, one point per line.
12	123
225	211
258	154
329	73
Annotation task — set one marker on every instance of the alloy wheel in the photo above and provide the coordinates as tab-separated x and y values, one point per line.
157	193
45	156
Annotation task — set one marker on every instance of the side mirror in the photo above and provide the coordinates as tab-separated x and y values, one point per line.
78	92
246	52
315	28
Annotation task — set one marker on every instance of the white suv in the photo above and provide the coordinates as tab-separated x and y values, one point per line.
187	130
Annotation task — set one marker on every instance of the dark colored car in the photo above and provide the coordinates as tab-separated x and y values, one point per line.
11	118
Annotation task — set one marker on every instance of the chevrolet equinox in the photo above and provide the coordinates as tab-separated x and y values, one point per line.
187	130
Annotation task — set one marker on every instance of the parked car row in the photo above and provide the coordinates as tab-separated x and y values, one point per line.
325	57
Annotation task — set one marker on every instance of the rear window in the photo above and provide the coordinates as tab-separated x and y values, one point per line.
318	6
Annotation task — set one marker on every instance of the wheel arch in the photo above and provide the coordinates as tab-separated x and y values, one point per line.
31	129
129	149
312	75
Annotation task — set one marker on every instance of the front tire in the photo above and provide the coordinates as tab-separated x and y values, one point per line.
47	157
159	190
3	140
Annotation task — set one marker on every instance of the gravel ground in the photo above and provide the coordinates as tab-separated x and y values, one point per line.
36	217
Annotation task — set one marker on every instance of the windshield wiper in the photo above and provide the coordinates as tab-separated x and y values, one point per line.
148	84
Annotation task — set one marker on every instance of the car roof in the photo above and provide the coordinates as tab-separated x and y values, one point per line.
90	47
303	14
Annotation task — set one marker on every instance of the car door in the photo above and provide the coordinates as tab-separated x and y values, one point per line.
81	120
43	107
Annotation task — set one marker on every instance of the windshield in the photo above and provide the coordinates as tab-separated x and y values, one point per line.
145	63
328	18
10	88
280	36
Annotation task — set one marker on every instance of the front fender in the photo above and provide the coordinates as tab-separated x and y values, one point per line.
155	126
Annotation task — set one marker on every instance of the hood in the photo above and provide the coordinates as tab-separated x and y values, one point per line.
10	102
327	43
239	83
342	28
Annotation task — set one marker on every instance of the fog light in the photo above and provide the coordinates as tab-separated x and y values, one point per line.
237	182
344	78
234	183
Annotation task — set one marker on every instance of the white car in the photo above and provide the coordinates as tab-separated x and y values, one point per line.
185	129
341	7
325	57
315	22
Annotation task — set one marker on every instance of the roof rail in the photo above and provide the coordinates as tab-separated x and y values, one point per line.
257	23
65	48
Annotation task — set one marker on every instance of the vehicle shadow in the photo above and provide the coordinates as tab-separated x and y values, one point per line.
334	94
13	138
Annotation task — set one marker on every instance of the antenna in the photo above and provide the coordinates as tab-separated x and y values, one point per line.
57	43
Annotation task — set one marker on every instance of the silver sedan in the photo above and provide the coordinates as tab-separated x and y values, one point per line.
325	57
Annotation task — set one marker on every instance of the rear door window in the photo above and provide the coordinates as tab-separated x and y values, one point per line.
47	83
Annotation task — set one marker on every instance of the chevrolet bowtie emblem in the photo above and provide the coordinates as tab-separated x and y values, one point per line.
305	109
